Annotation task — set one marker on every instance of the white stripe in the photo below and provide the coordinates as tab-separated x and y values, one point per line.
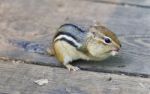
68	38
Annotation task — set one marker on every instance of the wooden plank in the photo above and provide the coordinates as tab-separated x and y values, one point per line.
136	3
36	21
18	78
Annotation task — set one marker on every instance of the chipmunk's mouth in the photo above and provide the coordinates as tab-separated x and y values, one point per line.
115	51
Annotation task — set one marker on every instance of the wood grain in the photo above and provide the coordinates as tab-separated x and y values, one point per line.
19	79
132	3
37	21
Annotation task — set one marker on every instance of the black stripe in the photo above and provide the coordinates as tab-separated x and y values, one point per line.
67	34
69	24
68	41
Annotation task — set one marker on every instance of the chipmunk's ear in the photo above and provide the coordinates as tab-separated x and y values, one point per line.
93	30
96	23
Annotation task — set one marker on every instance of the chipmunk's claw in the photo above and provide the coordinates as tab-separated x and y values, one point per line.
72	68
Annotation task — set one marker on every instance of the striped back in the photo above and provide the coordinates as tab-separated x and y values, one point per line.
72	34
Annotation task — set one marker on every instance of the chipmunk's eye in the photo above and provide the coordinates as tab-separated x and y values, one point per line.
107	40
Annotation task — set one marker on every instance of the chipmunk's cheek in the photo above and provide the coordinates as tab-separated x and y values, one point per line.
114	53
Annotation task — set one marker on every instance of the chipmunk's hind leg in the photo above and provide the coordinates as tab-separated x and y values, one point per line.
65	54
50	51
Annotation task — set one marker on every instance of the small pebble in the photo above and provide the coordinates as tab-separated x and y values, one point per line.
109	79
41	82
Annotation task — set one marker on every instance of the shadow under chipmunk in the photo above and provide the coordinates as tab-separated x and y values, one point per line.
30	52
29	46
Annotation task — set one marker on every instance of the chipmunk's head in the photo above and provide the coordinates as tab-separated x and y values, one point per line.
102	41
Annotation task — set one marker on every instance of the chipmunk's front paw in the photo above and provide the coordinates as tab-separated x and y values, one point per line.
72	68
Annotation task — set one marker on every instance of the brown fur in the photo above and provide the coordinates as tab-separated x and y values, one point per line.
108	33
93	50
58	52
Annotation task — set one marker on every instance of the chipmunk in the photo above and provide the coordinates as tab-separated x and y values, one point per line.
72	42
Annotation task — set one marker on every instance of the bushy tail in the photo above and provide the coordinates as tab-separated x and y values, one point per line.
32	47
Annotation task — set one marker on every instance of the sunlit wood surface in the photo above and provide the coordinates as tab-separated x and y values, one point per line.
36	21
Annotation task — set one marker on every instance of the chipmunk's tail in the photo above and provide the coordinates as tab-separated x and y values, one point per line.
32	47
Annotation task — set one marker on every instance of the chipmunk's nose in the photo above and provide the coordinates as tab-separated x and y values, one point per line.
120	45
117	49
